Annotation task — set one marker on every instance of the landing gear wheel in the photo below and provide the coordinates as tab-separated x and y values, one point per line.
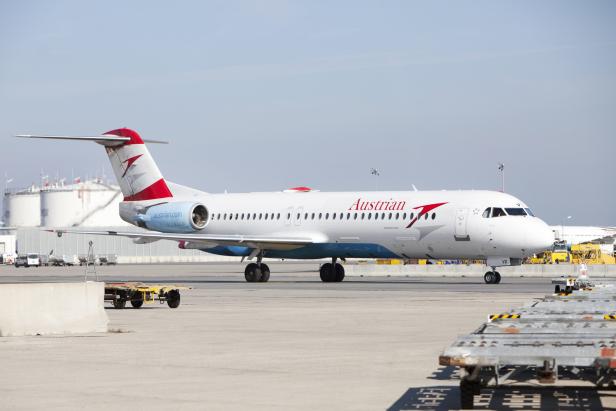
265	273
468	389
327	274
498	277
173	298
489	277
119	304
252	273
339	273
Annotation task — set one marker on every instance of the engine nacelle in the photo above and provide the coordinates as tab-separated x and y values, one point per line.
180	217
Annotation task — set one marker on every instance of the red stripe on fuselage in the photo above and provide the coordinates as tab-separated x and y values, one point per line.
157	190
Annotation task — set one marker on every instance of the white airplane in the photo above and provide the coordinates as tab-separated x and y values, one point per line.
306	224
573	234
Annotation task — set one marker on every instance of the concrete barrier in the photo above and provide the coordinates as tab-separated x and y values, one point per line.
52	308
476	270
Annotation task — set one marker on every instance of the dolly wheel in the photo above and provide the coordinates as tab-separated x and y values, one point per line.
467	391
119	304
173	299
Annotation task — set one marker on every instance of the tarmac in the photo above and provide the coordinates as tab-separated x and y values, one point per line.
368	343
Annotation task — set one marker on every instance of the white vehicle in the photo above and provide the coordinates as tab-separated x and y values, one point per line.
305	224
33	260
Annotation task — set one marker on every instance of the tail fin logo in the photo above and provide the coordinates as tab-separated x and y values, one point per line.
129	162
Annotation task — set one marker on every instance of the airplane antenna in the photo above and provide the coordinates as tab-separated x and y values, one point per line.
501	168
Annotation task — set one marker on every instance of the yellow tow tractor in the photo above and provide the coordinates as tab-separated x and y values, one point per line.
558	254
139	293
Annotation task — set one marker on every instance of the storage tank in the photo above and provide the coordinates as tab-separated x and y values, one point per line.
22	207
91	204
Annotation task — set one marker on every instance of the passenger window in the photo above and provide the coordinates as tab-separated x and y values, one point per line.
298	214
426	216
363	215
404	216
354	216
383	216
397	216
306	216
326	216
412	215
242	216
376	216
320	216
390	214
313	216
288	216
433	216
348	216
498	212
278	216
265	216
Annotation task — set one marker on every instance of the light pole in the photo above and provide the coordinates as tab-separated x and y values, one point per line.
501	167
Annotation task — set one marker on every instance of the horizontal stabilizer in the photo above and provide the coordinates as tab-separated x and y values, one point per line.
106	140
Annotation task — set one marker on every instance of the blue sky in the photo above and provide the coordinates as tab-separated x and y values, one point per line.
259	96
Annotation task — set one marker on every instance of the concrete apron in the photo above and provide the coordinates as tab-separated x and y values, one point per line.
476	270
52	308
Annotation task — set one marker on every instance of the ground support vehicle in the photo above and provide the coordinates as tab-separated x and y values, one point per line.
568	335
139	293
109	259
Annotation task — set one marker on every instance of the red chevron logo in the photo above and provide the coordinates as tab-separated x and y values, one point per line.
425	209
129	162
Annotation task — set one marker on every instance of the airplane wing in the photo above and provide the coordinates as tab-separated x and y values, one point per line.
208	240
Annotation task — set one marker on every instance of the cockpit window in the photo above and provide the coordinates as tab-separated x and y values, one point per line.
486	213
529	212
498	212
515	211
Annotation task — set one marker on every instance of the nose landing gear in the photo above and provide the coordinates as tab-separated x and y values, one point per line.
492	277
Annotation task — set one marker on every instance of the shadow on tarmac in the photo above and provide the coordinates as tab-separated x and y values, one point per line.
441	398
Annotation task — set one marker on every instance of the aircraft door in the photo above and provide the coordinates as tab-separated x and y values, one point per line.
460	228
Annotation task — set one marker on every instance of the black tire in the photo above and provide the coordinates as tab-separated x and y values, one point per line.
498	277
489	277
265	273
119	304
557	289
467	393
137	300
252	273
173	299
327	273
339	275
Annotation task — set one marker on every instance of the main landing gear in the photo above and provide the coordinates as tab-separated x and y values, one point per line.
492	277
257	272
332	272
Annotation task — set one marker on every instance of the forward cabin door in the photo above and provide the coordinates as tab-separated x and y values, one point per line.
460	229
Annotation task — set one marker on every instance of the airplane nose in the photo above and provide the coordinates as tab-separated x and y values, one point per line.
541	237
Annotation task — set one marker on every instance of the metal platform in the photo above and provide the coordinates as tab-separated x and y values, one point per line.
571	332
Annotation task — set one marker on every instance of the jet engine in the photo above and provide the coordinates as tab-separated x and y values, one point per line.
177	217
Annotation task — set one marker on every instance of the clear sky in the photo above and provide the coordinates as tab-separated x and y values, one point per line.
266	95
